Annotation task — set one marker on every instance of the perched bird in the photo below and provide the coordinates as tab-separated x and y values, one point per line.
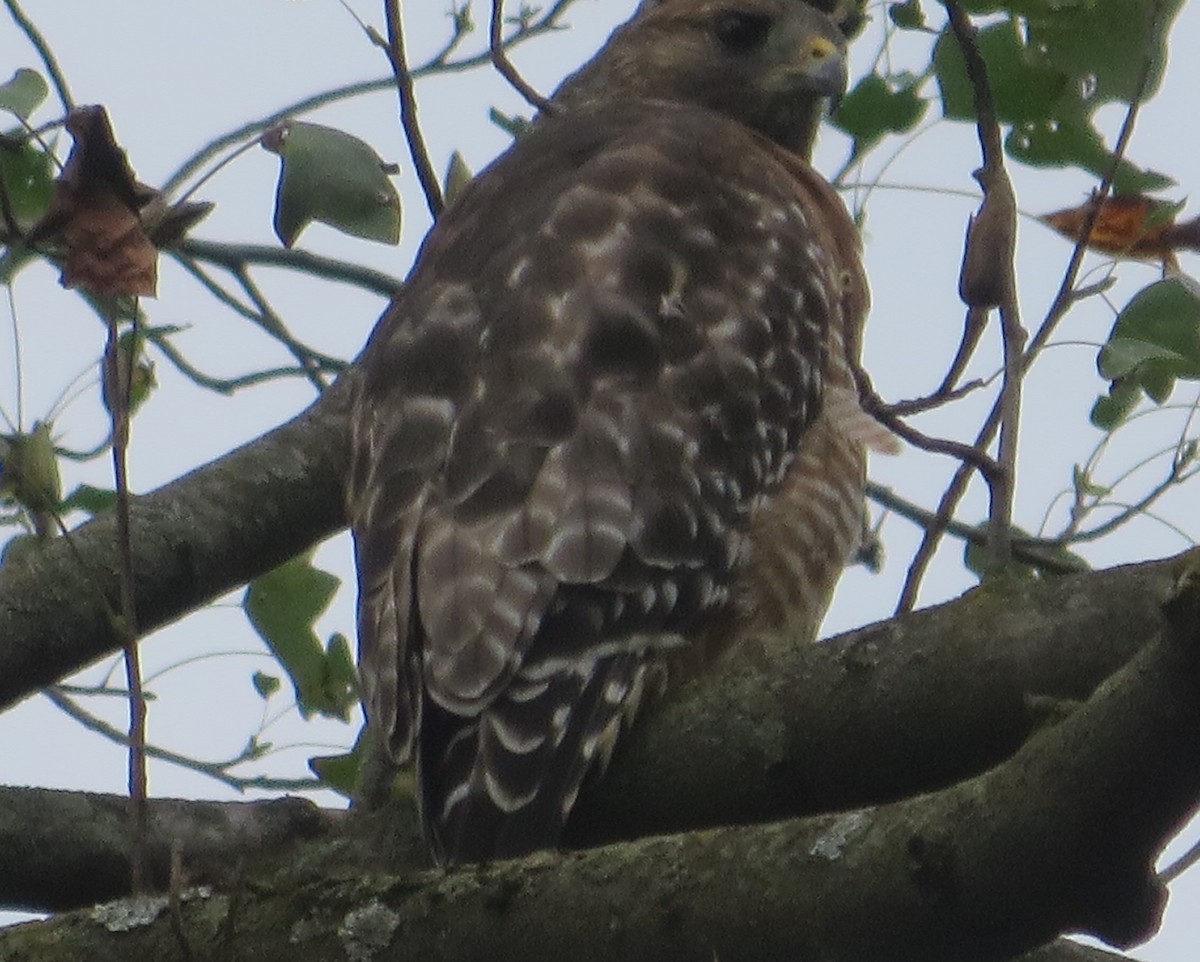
584	460
849	15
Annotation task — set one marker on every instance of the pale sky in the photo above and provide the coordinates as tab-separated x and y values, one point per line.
174	74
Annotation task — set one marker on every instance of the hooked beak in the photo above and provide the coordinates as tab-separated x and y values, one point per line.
825	69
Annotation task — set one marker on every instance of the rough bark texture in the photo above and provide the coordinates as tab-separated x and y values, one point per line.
62	850
1059	837
879	713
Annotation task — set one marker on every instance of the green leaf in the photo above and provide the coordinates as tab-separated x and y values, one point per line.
1023	90
980	559
338	772
28	176
907	15
1154	342
330	176
29	469
340	673
1157	332
458	176
282	605
266	685
342	772
514	125
1084	485
1123	355
24	93
1103	45
1111	409
873	109
1051	65
1052	143
19	548
985	565
89	499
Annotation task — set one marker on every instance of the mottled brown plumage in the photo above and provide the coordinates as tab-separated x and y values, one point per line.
582	458
848	15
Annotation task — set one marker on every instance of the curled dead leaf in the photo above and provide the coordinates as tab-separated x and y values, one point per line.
984	277
1131	225
95	214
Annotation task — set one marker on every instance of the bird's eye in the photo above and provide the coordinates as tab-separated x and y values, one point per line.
741	32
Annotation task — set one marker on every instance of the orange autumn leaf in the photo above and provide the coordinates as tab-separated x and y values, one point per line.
95	214
1133	226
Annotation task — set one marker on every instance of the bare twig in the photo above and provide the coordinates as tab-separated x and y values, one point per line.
1176	476
408	110
945	510
988	277
505	67
261	314
1180	865
215	770
1043	554
224	385
118	377
237	256
973	328
1063	300
35	38
976	457
547	22
461	17
937	399
273	324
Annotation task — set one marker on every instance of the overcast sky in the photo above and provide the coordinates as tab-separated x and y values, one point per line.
174	74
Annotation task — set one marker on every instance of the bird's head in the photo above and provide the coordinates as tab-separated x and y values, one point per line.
849	15
769	64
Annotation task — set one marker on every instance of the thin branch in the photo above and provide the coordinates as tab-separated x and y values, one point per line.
546	23
976	457
1180	865
1043	554
215	770
49	61
1130	511
408	110
945	511
118	379
272	323
1063	301
461	16
988	275
937	399
973	328
264	317
505	67
222	385
236	256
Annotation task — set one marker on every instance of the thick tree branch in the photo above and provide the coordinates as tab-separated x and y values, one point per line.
1061	837
889	710
871	716
63	850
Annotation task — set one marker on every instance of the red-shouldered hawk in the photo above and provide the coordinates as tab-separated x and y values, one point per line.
849	15
584	455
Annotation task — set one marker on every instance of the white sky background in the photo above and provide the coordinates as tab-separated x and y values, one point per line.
174	74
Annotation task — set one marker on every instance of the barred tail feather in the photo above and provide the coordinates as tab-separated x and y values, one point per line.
501	785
